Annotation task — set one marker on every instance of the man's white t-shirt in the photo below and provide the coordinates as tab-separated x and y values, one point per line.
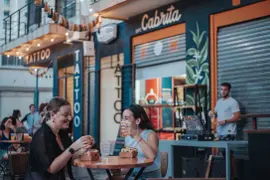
225	109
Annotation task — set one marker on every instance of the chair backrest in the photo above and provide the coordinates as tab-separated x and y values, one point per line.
259	157
18	163
163	163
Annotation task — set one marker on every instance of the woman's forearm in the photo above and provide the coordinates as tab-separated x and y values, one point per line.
60	162
78	153
147	149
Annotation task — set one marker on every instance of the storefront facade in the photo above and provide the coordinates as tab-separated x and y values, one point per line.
68	81
195	42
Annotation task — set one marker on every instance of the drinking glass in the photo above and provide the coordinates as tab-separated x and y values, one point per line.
112	145
105	148
13	136
19	136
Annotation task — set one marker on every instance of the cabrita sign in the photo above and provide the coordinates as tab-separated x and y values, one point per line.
171	15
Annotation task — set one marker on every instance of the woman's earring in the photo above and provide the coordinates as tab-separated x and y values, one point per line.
137	127
53	120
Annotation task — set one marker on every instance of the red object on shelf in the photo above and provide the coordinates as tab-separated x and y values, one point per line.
166	136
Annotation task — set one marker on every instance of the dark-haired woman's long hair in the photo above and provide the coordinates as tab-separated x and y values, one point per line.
139	112
2	127
13	120
16	113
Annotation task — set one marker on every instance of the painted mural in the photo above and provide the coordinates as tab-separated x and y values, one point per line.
197	63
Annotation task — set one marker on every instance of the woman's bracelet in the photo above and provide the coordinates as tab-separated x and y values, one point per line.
139	140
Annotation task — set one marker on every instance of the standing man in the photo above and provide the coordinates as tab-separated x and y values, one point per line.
32	120
226	113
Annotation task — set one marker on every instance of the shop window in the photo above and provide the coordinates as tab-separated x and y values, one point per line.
67	8
12	61
66	82
34	16
6	2
159	96
6	13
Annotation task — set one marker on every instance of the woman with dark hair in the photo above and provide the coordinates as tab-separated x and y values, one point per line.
52	149
17	114
140	135
6	129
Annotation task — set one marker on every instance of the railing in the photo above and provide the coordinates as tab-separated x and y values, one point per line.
31	17
254	118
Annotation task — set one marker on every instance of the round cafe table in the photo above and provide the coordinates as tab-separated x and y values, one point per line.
115	162
15	142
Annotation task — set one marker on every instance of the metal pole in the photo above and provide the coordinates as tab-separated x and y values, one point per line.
36	98
19	23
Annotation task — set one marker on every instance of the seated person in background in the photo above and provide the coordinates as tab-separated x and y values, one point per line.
51	149
6	129
31	120
17	114
141	136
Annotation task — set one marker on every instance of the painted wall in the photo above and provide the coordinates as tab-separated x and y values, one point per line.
110	97
20	100
21	78
17	88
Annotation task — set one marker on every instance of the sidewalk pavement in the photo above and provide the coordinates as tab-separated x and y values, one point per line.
81	174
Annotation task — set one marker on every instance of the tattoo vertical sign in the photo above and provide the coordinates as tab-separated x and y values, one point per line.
78	94
117	103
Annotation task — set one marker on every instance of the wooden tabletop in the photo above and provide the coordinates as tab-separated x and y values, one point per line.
114	162
15	142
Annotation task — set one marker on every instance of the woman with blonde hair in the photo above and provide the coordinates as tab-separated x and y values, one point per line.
52	150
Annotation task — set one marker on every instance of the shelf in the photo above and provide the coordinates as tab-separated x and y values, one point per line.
160	106
171	130
194	85
192	107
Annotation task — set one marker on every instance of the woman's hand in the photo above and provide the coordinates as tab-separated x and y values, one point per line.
212	114
85	142
125	128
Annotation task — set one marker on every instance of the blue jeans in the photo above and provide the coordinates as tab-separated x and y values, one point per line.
145	175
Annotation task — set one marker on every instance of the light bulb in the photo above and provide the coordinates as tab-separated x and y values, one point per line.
52	40
66	33
38	45
90	10
27	49
8	55
20	57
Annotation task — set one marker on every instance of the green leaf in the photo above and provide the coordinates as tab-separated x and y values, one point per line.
191	51
202	100
189	100
204	52
192	63
205	68
206	80
198	35
195	38
201	37
198	29
190	74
